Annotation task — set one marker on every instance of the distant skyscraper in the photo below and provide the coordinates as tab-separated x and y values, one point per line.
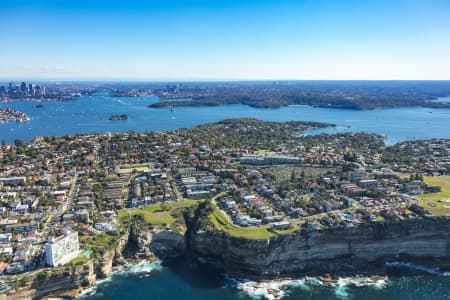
23	88
32	89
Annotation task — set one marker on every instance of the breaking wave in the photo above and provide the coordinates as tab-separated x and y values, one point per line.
416	269
123	271
278	289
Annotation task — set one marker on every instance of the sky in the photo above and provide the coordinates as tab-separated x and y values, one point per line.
225	40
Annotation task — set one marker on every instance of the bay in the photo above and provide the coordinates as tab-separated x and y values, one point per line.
90	114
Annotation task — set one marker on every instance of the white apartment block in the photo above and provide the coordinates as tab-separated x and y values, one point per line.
62	249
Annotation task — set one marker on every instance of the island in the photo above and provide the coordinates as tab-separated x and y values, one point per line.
259	200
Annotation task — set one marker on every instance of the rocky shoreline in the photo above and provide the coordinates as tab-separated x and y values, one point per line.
268	289
356	256
274	289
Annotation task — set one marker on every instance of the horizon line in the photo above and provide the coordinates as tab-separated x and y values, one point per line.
87	79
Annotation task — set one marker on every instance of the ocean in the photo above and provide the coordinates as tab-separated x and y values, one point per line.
179	279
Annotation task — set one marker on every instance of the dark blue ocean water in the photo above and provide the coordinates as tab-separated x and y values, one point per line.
181	281
90	114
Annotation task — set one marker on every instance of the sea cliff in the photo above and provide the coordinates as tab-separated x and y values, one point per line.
357	249
67	281
361	249
50	282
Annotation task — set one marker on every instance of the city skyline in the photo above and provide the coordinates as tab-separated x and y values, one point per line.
225	40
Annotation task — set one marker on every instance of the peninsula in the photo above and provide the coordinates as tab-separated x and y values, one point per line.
360	95
12	115
261	200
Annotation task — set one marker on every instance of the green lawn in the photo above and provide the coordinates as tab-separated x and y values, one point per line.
287	231
97	243
222	223
265	152
165	214
78	261
404	176
439	205
157	214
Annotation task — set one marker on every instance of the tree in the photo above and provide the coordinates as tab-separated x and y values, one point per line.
293	176
350	157
41	278
347	167
18	143
302	174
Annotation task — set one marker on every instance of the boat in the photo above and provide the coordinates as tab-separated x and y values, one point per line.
118	117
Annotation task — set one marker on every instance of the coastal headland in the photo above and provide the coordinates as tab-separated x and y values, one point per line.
362	250
259	200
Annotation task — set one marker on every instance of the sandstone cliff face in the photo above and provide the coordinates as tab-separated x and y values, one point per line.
70	278
352	249
82	276
167	243
105	264
110	257
161	242
63	280
141	241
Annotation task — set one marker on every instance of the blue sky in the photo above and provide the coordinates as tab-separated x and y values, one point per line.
217	39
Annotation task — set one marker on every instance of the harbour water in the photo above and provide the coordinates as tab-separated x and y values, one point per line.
91	113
